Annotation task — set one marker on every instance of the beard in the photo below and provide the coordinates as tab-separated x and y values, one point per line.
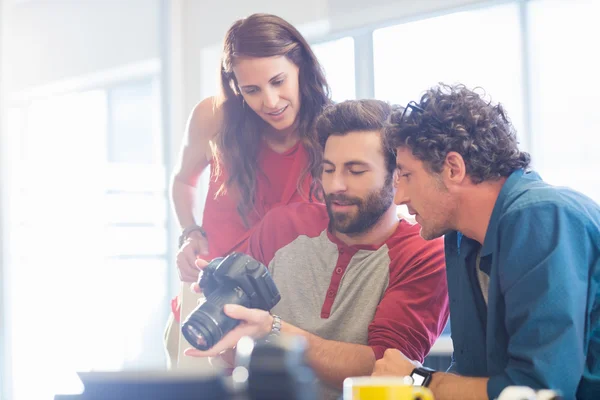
368	211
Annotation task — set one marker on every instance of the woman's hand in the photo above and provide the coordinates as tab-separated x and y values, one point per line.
194	247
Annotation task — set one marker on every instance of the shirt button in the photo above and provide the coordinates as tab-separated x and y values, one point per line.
341	251
338	270
330	293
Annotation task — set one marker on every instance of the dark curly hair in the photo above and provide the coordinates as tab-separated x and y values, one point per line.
454	118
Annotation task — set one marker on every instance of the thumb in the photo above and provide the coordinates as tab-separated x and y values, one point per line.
195	288
236	311
200	263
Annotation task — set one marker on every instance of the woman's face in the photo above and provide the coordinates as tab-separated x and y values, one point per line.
270	87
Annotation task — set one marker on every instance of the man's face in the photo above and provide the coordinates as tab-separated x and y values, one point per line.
425	195
358	188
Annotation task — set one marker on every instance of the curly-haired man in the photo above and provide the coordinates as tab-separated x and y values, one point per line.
522	256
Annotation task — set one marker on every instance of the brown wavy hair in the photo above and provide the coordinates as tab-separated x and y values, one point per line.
238	142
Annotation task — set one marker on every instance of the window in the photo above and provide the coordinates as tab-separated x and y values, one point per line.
481	47
132	134
337	59
565	89
88	258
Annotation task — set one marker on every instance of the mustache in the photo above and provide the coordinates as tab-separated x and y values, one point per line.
342	199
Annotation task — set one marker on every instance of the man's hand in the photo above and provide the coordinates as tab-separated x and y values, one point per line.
255	323
194	246
394	363
225	360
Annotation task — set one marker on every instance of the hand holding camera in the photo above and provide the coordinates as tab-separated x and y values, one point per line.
239	292
192	244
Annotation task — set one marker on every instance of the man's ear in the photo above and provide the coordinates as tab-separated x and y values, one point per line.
455	170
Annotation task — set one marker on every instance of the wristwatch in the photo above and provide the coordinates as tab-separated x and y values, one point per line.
186	232
275	327
422	376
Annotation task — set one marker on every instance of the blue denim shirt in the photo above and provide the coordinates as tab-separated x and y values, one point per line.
541	327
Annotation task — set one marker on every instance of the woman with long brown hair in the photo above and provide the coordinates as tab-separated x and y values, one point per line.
257	136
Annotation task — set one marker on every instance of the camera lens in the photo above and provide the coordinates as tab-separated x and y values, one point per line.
207	324
192	331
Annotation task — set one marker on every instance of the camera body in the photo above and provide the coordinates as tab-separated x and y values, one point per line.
235	279
243	271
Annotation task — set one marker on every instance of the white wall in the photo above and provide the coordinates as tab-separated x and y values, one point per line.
49	41
207	25
4	343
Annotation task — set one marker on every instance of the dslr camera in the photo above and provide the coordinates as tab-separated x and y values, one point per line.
235	279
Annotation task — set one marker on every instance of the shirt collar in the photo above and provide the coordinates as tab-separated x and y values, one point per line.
492	230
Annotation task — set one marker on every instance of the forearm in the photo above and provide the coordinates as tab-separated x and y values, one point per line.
453	387
183	196
335	361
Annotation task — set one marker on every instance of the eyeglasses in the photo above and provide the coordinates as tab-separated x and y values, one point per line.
413	106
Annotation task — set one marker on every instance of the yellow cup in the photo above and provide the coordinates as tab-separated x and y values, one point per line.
383	388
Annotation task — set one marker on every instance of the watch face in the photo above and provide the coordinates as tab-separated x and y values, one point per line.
417	379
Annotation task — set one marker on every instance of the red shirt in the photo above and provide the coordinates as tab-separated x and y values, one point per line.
390	295
276	184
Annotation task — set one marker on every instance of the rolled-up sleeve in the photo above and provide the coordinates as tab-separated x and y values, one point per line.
544	282
414	308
